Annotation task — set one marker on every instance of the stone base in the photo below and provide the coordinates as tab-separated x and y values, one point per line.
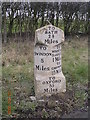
46	87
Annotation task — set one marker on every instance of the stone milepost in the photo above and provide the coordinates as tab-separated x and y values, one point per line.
48	76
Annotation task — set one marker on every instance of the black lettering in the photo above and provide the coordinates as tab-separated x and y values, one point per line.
58	63
52	36
56	67
43	68
35	53
49	32
49	27
43	82
56	71
58	54
43	47
56	90
51	82
51	78
42	61
46	90
38	67
58	46
43	54
50	41
53	28
47	41
56	51
55	32
52	32
55	59
46	32
49	36
51	85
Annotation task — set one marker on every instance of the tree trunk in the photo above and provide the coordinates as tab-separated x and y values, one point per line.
20	25
5	26
52	21
10	26
42	22
57	17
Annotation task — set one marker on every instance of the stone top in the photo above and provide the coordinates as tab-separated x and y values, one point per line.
53	32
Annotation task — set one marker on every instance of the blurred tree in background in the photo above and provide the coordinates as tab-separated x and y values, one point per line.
23	18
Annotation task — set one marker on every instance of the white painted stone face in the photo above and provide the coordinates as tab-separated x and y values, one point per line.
48	76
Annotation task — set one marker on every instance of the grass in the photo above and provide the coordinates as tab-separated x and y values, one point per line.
75	66
18	68
75	61
18	64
